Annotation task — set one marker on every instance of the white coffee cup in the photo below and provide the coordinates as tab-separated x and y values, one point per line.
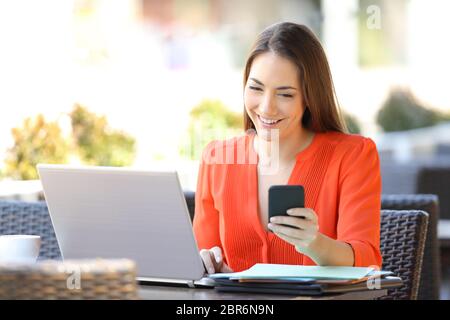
19	248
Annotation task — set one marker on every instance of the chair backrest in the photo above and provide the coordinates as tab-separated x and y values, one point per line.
403	234
430	278
71	279
18	217
436	180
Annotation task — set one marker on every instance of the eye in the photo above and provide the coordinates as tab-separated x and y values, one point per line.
286	95
255	88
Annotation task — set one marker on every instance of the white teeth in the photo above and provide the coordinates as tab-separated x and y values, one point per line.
268	121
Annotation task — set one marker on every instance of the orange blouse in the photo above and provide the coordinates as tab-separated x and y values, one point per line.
341	177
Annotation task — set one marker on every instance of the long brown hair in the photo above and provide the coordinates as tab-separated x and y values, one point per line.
298	44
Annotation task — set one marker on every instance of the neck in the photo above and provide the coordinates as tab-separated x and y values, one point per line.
287	148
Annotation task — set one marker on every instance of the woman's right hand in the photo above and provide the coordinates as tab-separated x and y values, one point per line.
213	260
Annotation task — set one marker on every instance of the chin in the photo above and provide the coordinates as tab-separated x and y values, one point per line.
267	134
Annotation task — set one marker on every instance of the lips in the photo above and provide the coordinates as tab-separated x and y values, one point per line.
266	122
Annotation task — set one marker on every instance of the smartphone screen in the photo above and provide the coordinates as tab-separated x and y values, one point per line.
284	197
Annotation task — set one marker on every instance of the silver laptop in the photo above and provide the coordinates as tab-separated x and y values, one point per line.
105	212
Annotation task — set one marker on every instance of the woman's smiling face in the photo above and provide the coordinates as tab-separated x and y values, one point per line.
272	96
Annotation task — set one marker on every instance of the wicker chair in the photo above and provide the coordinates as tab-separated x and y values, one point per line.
17	217
430	278
82	279
403	235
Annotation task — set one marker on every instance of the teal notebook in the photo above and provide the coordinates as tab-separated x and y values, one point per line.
283	271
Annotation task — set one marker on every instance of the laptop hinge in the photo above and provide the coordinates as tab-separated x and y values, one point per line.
190	284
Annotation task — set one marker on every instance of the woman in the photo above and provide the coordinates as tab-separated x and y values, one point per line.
288	90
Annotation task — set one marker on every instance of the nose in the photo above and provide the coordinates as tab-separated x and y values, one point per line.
268	106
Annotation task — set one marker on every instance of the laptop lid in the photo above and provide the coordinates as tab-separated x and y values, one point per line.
105	212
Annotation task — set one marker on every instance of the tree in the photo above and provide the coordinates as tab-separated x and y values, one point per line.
97	143
402	111
208	121
351	123
94	141
37	141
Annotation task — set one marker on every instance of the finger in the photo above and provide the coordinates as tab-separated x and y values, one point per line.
292	221
286	238
216	265
303	212
295	242
218	258
288	231
217	254
207	262
225	268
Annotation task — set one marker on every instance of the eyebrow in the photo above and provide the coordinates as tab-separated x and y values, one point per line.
278	88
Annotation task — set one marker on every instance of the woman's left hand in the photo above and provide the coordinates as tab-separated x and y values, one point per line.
306	222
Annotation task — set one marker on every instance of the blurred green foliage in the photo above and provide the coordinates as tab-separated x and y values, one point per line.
97	143
209	120
93	141
352	123
402	111
37	141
